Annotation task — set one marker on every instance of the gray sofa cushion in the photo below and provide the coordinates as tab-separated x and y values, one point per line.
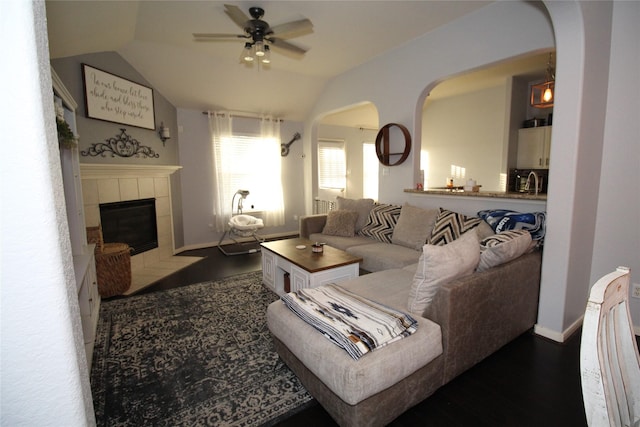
414	226
484	230
341	223
355	380
340	242
362	206
439	265
383	256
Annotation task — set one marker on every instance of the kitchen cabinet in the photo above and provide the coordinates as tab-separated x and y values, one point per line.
84	263
534	148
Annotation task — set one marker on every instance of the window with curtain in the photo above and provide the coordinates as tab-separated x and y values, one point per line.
243	162
369	171
332	165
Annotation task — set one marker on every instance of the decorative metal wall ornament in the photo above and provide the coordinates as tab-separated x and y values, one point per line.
284	148
121	145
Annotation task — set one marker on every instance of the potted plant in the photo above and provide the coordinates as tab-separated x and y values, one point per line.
66	137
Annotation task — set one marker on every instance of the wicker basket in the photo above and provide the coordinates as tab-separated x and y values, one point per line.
113	267
113	264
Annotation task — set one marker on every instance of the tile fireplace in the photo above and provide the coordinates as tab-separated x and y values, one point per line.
106	184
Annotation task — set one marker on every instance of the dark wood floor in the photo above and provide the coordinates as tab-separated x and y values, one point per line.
529	382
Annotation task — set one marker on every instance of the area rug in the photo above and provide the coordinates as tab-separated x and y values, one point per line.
195	355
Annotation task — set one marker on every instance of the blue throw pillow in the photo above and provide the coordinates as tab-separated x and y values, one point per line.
503	220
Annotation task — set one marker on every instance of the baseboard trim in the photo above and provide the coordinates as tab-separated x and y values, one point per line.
558	336
228	241
563	336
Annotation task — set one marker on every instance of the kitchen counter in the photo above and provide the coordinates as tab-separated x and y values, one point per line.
491	194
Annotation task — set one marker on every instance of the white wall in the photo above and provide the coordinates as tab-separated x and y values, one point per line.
617	236
479	142
197	182
582	31
43	368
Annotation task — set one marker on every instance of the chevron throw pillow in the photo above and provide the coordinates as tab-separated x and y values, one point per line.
449	226
382	219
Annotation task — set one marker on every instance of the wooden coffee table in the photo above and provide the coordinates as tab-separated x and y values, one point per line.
285	268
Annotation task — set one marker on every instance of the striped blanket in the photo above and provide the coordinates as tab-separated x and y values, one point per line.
354	323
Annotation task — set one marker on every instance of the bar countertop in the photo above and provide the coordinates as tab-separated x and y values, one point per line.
492	194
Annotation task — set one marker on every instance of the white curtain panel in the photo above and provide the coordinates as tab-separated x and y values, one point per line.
242	162
270	134
220	126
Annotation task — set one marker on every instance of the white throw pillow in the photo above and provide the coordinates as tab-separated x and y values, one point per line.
439	265
504	247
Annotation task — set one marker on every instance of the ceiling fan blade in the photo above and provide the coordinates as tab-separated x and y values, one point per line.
207	37
286	47
293	29
237	15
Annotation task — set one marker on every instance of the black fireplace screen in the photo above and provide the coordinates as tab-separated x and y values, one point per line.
132	222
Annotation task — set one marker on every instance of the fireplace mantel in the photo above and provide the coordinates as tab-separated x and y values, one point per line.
99	170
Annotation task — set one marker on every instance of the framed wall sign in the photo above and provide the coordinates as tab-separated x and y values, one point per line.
114	99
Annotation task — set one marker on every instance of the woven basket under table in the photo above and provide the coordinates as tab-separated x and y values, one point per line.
113	268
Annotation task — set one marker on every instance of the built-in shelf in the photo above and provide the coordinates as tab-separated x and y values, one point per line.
83	253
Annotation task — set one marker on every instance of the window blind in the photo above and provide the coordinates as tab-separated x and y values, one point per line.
332	165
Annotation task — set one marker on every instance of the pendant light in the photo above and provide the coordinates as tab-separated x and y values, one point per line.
543	94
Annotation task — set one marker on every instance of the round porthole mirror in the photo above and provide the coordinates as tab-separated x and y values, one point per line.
387	150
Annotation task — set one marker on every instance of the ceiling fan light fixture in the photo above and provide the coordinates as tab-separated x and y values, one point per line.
266	59
258	35
259	48
247	54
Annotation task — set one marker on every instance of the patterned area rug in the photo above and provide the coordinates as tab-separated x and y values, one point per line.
196	355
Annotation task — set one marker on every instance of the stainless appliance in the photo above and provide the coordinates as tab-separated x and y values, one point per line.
518	178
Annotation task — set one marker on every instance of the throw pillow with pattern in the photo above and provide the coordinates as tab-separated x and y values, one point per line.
451	225
504	247
381	222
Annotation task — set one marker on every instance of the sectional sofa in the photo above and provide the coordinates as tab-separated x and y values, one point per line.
470	290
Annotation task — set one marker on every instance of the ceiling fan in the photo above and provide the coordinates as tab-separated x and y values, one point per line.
260	36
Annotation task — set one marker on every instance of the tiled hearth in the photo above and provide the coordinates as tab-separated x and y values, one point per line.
103	183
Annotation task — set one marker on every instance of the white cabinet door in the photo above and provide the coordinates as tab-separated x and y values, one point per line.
534	147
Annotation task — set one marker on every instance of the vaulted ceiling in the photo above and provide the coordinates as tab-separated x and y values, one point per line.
155	37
